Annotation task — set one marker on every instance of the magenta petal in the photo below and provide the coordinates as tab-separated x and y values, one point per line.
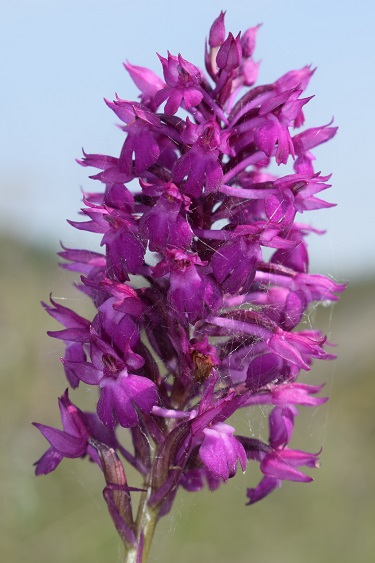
145	79
297	394
192	98
142	392
275	468
217	32
66	316
248	41
125	253
105	409
298	457
286	350
72	418
221	451
265	487
120	399
84	371
279	208
192	481
282	465
63	443
48	462
234	265
229	54
281	423
173	102
266	135
263	369
74	353
70	334
164	226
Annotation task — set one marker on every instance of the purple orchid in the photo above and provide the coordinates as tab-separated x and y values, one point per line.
74	439
277	462
211	326
220	451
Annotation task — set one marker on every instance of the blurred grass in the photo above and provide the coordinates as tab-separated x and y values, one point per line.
62	517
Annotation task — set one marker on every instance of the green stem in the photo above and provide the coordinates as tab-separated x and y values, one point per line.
147	518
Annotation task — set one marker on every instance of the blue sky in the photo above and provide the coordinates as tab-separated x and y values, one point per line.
60	58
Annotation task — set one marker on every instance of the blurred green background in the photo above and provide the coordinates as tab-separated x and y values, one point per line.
62	517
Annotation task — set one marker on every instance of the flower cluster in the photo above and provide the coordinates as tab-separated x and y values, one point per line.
209	325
